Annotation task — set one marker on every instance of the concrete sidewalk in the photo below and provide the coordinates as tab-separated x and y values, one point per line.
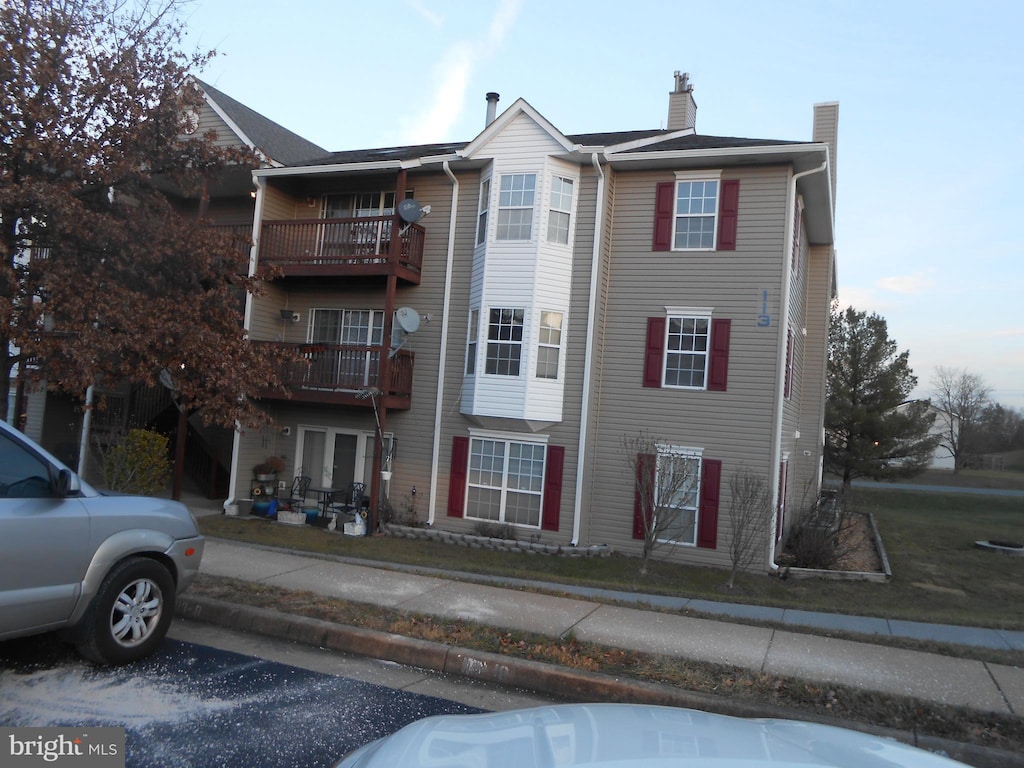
981	686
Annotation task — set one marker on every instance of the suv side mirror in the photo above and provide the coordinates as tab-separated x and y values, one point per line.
67	483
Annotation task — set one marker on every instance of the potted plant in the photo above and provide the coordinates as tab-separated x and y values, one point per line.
266	471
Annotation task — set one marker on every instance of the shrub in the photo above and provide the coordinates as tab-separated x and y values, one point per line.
138	464
816	541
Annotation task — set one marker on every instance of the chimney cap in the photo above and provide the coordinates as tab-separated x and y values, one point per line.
683	82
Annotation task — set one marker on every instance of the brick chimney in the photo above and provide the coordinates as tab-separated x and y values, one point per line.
682	109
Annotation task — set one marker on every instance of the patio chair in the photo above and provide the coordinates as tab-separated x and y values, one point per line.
300	486
353	504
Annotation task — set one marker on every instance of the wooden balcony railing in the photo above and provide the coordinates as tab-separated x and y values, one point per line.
323	247
345	374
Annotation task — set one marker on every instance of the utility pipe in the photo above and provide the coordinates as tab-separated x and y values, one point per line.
780	393
445	312
595	264
236	438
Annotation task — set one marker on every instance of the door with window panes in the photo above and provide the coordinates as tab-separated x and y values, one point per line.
368	238
360	332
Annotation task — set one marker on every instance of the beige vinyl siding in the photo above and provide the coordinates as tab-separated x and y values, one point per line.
278	205
814	365
209	120
566	432
734	426
413	429
587	220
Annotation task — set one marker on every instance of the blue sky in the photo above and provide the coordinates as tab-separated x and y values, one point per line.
931	123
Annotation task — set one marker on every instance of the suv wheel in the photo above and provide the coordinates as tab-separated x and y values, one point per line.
130	614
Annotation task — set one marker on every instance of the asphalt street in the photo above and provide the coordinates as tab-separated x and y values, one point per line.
193	706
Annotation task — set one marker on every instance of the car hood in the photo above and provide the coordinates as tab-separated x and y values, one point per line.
613	735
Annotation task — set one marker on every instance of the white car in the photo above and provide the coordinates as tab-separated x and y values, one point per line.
635	735
105	570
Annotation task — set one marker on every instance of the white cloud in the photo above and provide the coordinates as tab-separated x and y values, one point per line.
918	282
420	7
453	74
448	98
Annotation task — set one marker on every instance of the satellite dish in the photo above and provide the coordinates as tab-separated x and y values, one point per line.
408	319
166	380
410	211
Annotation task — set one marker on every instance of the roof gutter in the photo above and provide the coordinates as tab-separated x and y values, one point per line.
595	273
445	316
374	165
781	150
780	392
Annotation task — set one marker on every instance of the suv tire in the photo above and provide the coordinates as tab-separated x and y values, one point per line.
130	614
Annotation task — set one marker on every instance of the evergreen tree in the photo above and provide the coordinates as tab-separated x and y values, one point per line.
872	429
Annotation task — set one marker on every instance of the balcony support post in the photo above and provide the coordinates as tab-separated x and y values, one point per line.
394	257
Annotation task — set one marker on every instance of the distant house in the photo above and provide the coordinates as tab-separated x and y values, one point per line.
481	323
944	422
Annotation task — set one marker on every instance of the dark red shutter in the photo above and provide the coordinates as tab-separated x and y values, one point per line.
728	215
710	489
553	488
654	352
664	212
458	476
718	365
646	464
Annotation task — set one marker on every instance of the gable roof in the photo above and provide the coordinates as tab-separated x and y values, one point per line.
277	143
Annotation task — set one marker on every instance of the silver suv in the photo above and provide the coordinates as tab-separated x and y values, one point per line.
104	570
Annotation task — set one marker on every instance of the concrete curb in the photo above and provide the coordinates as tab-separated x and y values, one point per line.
537	676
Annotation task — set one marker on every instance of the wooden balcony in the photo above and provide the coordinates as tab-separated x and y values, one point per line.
342	374
342	247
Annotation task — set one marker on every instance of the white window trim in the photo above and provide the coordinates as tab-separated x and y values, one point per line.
532	208
524	357
712	175
472	343
567	211
560	346
686	452
686	312
507	437
484	211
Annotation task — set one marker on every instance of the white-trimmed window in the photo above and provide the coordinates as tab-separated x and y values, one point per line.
504	341
696	212
515	206
472	338
687	341
549	344
505	480
484	206
560	213
677	493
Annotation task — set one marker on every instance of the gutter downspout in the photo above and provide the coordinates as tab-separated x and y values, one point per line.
236	438
581	451
445	312
780	393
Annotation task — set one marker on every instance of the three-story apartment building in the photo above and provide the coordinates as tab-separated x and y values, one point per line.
481	324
